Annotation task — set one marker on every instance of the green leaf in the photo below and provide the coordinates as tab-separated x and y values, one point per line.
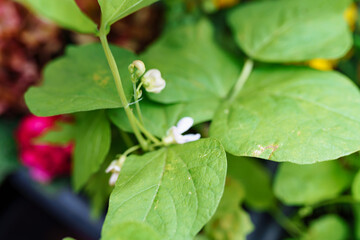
201	237
310	184
174	190
356	213
68	238
296	30
92	143
8	152
62	133
356	187
255	179
230	221
131	231
80	81
291	114
330	227
97	188
114	10
64	13
192	64
158	118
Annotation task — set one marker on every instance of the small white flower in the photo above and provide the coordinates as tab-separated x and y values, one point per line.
174	134
114	168
153	82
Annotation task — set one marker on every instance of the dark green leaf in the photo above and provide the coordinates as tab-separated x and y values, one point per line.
295	30
310	184
175	190
356	187
8	153
65	13
80	81
230	221
92	143
291	114
98	189
255	180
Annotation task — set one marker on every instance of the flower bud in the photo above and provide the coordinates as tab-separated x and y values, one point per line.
137	69
153	82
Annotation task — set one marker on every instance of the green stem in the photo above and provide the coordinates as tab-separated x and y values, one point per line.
342	199
146	132
290	226
245	73
120	89
130	150
138	109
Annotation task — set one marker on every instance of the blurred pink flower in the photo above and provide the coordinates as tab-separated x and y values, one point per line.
45	161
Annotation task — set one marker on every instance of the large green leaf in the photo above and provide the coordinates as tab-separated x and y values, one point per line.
255	180
310	184
8	153
230	221
356	187
114	10
291	114
192	64
158	118
65	13
92	143
80	81
330	227
292	30
131	230
174	190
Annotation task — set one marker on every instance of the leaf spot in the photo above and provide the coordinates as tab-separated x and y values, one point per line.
102	81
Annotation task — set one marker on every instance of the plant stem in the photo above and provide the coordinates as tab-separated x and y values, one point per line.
138	109
130	150
342	199
245	73
120	89
290	226
147	133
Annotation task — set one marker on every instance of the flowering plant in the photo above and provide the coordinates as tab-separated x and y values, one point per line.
251	98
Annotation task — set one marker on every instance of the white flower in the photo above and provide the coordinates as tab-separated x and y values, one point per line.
115	167
174	134
153	82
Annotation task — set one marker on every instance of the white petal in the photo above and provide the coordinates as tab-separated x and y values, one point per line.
153	73
184	124
178	137
113	179
111	167
191	137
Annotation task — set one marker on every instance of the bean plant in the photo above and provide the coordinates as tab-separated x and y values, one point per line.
177	132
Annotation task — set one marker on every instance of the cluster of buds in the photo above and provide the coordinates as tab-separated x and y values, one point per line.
151	79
